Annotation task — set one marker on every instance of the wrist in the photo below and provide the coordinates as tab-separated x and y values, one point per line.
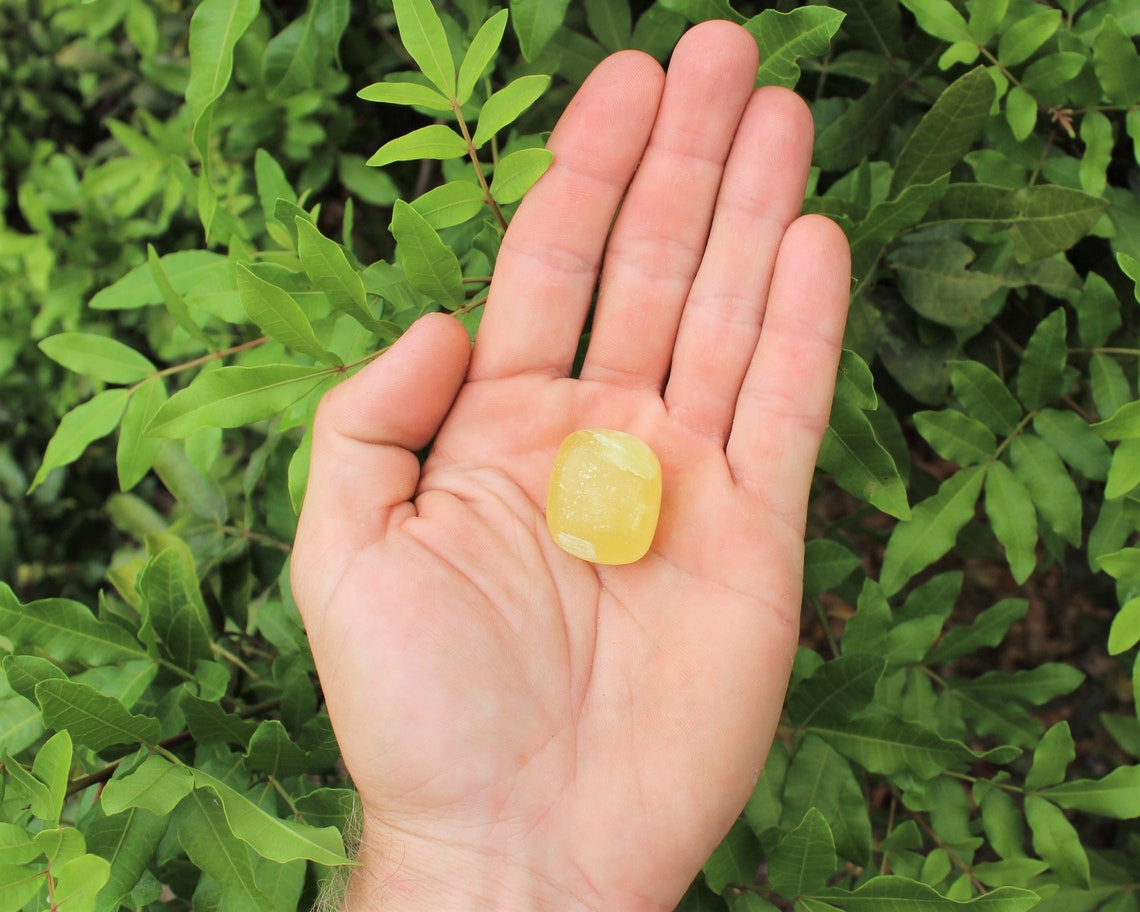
396	871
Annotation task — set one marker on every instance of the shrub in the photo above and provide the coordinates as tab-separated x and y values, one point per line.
196	244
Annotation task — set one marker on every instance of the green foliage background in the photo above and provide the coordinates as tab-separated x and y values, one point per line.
213	211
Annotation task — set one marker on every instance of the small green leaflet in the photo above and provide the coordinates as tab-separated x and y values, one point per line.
93	719
946	132
1057	842
156	784
1054	493
804	860
449	204
431	267
482	50
1125	630
956	436
204	833
984	396
422	34
859	462
785	37
736	860
932	529
1116	796
988	629
101	357
507	104
215	29
175	303
437	141
235	396
1013	517
1042	370
85	423
535	23
279	315
893	893
405	93
1025	35
517	172
137	452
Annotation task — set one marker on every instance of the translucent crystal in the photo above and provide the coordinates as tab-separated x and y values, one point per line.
604	496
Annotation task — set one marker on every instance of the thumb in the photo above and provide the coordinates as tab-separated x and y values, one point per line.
365	437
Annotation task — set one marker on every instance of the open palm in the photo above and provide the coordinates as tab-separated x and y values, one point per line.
527	729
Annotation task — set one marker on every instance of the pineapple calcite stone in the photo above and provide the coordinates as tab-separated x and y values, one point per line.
604	497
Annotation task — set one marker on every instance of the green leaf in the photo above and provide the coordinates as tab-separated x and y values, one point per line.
209	723
1117	63
1116	796
1035	686
1041	374
138	289
1003	823
273	752
101	357
860	464
1125	630
1020	112
215	28
1052	756
1123	424
736	860
1024	36
1098	312
1124	472
437	141
85	423
893	893
932	528
1052	489
984	396
854	381
66	631
289	64
535	22
204	832
837	689
450	204
235	396
517	172
1121	564
946	132
78	881
327	266
859	131
785	37
934	280
1111	389
431	267
986	18
505	106
1096	134
1075	441
1013	517
956	436
93	719
271	837
136	452
279	316
887	219
804	860
889	745
155	785
173	608
480	53
1055	840
175	304
16	845
128	841
1053	71
827	564
422	34
51	766
819	778
405	93
940	19
988	629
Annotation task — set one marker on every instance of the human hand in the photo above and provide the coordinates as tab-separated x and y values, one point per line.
528	730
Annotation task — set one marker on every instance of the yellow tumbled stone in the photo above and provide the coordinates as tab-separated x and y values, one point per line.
604	496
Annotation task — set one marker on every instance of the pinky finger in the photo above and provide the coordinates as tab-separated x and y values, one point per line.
785	401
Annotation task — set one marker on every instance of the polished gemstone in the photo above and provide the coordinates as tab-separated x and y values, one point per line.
604	497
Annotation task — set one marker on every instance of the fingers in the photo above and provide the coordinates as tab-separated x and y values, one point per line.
365	436
785	401
659	237
548	263
762	192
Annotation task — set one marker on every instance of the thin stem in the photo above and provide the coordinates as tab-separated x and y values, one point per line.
257	537
188	365
473	155
926	828
826	624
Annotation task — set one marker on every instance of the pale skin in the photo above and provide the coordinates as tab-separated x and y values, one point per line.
528	730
